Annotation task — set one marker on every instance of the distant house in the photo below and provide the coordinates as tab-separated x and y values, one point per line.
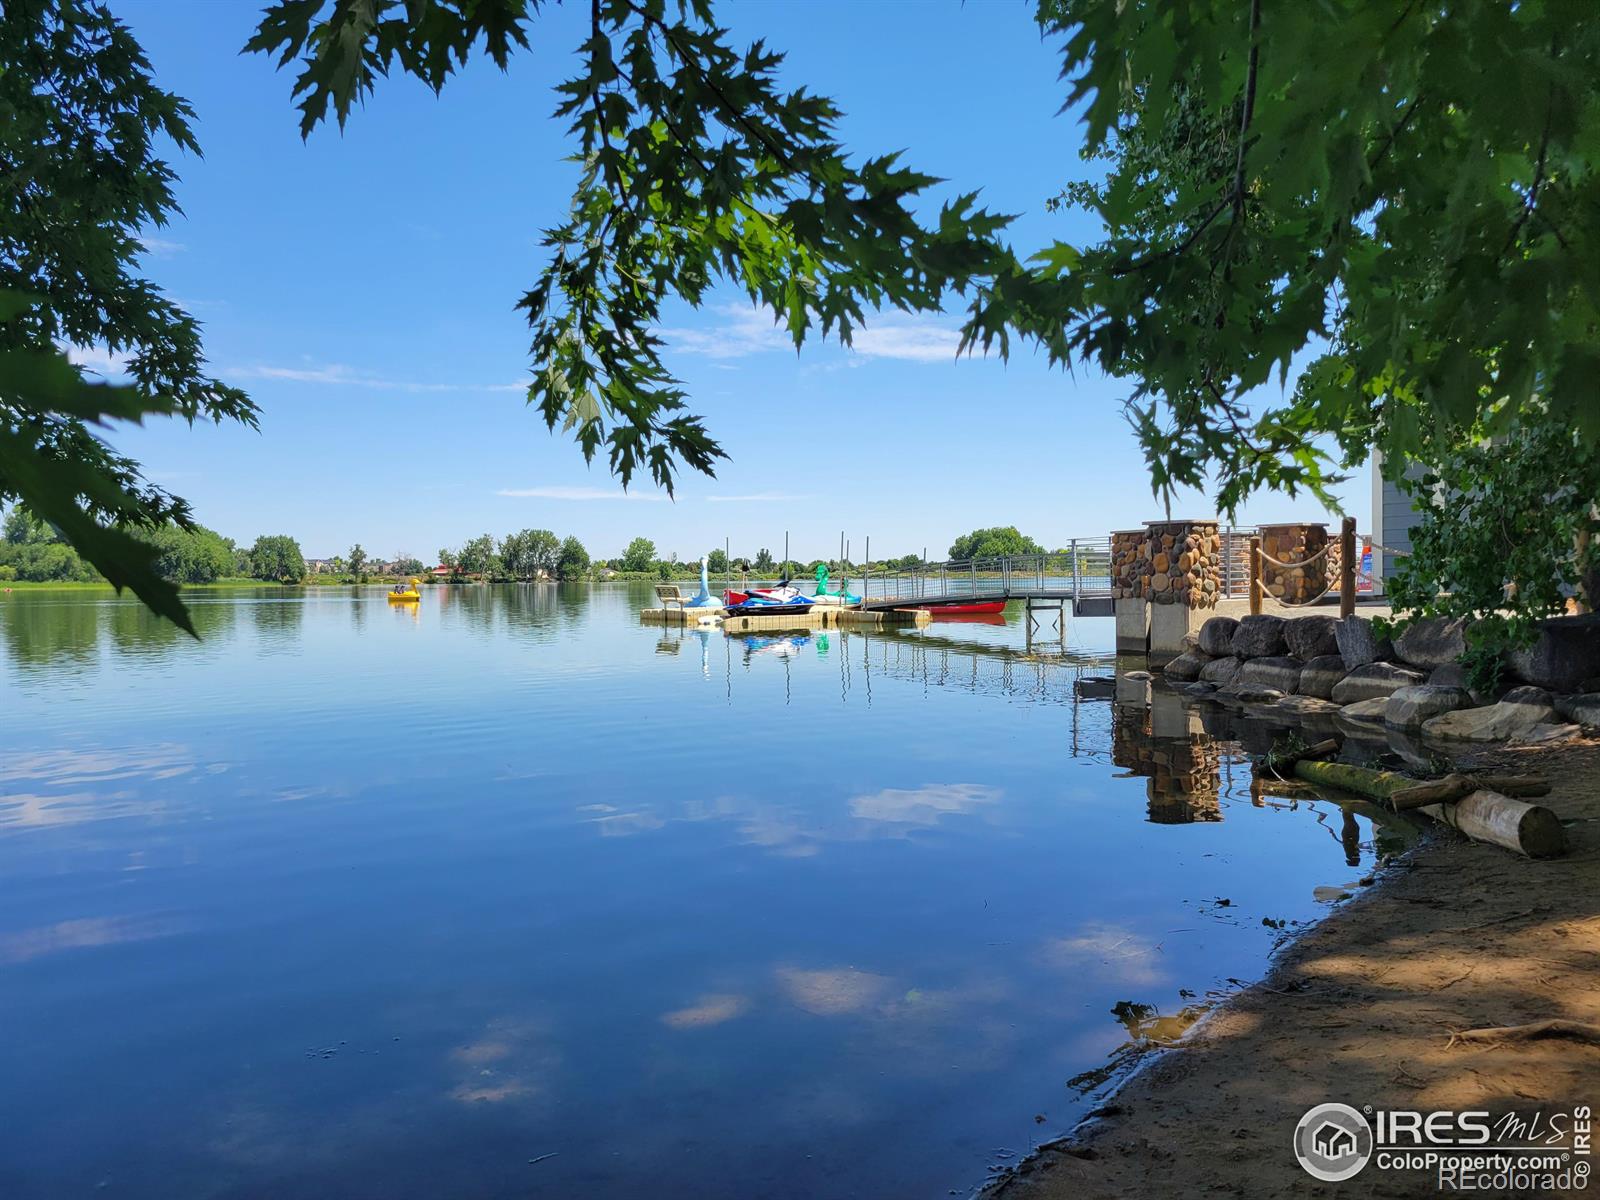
441	572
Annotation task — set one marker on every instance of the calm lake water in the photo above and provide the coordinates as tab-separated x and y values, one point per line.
508	895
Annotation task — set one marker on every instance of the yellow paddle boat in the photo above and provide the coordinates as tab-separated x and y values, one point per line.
405	594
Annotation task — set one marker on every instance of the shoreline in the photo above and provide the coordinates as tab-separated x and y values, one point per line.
1360	1008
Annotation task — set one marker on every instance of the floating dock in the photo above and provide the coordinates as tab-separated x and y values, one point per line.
820	617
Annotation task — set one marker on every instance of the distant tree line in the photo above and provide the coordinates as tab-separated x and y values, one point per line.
529	554
32	550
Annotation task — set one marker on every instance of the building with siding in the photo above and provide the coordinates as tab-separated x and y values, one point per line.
1392	517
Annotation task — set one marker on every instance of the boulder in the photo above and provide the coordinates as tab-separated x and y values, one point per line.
1259	636
1432	641
1318	677
1311	637
1566	655
1515	716
1280	673
1186	666
1358	643
1366	712
1582	709
1216	636
1535	697
1411	706
1221	671
1251	693
1196	689
1377	679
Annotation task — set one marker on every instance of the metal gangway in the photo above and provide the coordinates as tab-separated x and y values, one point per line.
1078	575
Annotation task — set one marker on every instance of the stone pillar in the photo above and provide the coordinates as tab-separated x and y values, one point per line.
1184	582
1130	565
1295	543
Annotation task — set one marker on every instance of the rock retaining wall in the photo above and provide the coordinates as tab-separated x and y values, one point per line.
1295	544
1413	682
1129	564
1184	563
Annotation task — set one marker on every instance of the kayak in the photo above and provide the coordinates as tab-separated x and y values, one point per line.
956	608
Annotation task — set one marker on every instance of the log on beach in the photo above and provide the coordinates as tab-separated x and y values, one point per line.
1363	781
1483	815
1457	787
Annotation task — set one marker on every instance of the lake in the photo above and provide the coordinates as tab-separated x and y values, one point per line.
506	894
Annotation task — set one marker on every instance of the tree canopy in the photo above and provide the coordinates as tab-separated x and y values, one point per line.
80	184
277	556
572	560
1332	179
640	555
998	542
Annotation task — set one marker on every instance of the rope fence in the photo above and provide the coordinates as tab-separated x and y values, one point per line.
1304	562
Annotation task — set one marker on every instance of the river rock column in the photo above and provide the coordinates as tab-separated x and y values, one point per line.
1130	567
1184	583
1294	543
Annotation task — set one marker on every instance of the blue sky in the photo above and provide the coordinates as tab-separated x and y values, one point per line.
361	286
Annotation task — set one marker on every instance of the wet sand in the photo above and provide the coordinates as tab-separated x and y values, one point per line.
1455	936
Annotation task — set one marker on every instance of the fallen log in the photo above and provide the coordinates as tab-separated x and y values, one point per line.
1483	815
1284	762
1579	1031
1363	781
1456	787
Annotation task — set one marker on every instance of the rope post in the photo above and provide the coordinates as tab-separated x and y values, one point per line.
1347	567
1255	575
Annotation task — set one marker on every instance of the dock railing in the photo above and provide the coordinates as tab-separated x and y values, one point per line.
1079	570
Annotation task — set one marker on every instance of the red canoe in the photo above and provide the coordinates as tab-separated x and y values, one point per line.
956	608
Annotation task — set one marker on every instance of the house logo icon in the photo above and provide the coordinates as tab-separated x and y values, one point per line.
1332	1142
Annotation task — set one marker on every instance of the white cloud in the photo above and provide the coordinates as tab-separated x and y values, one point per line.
160	247
910	339
755	498
576	493
344	376
98	361
744	330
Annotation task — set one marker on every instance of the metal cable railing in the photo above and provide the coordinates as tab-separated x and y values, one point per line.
1080	569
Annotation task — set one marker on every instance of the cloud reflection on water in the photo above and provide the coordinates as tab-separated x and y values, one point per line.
1108	952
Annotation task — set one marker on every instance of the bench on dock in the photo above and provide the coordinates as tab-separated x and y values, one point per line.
670	594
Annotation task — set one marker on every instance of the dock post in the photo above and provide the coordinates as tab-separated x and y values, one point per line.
1255	575
1347	567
